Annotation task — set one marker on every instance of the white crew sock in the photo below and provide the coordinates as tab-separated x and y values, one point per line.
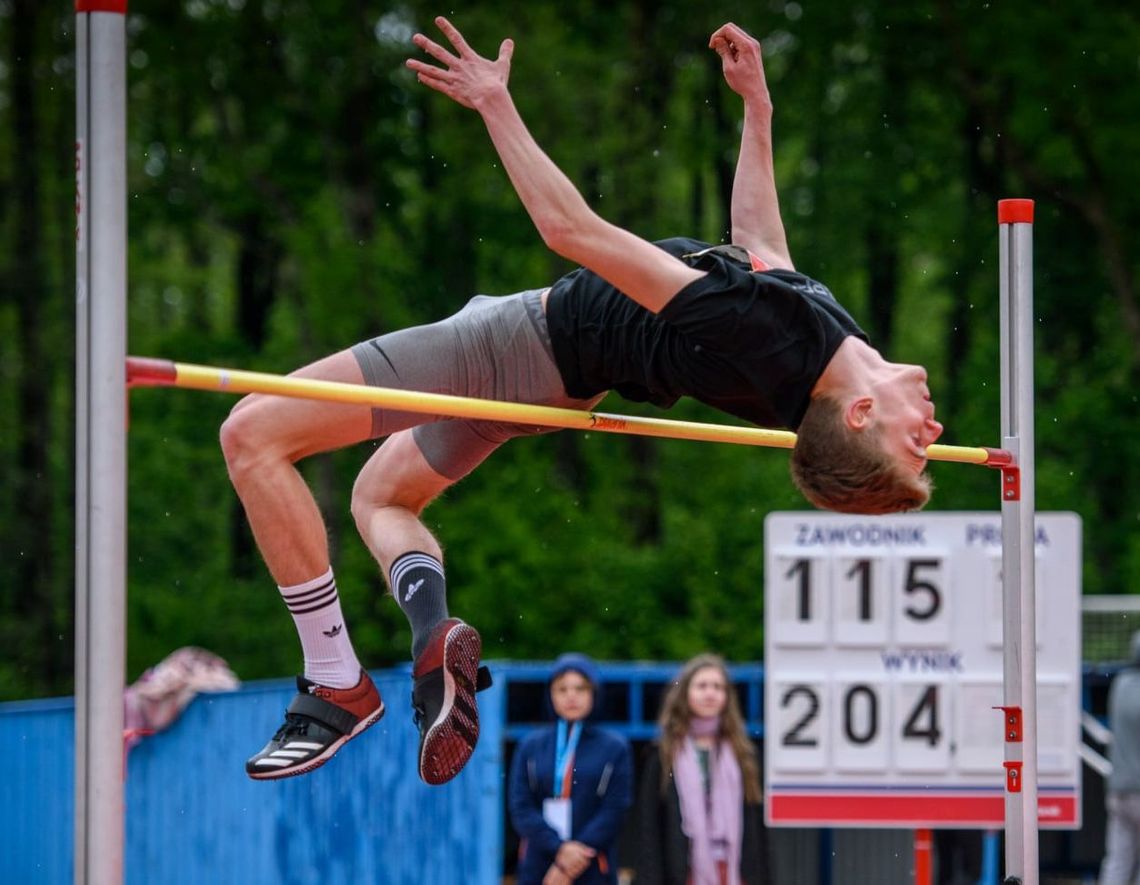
329	657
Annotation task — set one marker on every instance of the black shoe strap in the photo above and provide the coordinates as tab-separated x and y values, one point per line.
327	714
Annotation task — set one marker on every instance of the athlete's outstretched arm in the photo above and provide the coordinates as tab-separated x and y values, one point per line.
568	226
756	222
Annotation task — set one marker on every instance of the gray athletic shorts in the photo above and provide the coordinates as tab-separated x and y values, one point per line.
494	348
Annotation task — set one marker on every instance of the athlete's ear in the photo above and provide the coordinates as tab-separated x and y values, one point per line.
858	414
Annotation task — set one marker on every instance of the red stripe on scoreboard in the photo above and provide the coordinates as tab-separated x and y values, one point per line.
903	809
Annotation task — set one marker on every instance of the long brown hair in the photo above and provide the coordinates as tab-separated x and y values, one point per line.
675	715
840	469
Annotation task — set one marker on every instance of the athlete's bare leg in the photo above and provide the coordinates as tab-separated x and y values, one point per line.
390	493
262	440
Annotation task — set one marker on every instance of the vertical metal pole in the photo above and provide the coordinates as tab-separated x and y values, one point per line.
100	481
1018	507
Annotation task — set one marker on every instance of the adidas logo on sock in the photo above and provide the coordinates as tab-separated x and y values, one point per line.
335	631
412	588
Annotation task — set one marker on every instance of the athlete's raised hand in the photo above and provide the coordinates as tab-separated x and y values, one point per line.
741	61
466	77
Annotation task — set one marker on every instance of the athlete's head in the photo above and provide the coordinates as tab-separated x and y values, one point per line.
867	453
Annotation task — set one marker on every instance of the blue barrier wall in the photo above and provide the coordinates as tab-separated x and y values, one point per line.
192	816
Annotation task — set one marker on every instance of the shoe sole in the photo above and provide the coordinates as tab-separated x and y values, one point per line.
451	740
326	754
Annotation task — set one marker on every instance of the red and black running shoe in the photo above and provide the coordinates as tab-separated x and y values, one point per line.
318	722
446	676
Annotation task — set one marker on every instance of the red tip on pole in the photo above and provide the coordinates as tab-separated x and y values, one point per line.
1015	211
998	457
119	6
146	372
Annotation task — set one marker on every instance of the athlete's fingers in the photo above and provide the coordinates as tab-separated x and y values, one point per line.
506	50
434	50
734	36
452	34
424	69
720	33
735	33
439	86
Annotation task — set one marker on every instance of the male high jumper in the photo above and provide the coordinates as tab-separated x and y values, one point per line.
734	326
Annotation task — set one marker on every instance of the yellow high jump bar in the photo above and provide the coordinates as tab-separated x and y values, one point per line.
149	372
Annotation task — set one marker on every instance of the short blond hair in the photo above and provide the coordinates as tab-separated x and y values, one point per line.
837	468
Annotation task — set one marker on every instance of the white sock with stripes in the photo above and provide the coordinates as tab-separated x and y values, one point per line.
329	657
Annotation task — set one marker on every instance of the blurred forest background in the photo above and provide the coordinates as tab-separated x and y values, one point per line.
293	190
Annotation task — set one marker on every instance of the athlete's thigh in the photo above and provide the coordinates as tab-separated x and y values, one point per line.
399	475
299	427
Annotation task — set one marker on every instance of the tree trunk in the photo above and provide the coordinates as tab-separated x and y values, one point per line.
258	262
31	575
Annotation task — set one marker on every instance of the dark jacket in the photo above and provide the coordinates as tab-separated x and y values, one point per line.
662	849
600	794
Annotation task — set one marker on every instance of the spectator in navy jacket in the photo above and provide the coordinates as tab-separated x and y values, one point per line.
570	786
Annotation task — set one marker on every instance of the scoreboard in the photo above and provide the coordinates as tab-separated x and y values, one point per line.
883	663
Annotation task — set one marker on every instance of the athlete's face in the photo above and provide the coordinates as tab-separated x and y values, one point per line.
708	692
905	416
572	696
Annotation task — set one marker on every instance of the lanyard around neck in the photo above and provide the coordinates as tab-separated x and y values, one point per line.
564	756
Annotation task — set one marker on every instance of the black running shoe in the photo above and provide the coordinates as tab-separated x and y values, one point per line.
317	723
446	676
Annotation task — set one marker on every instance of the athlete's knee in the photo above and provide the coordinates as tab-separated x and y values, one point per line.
396	476
372	494
243	437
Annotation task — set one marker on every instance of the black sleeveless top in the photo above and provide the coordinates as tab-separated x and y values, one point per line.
750	343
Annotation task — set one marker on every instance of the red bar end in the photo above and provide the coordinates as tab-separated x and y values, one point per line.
998	457
1015	211
146	372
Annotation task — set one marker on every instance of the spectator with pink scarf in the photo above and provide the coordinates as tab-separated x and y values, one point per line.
700	818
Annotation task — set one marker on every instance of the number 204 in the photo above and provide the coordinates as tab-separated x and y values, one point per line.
867	725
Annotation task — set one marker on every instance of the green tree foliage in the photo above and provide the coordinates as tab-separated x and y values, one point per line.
294	190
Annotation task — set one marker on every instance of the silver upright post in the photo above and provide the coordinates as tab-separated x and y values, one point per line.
1015	225
100	480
